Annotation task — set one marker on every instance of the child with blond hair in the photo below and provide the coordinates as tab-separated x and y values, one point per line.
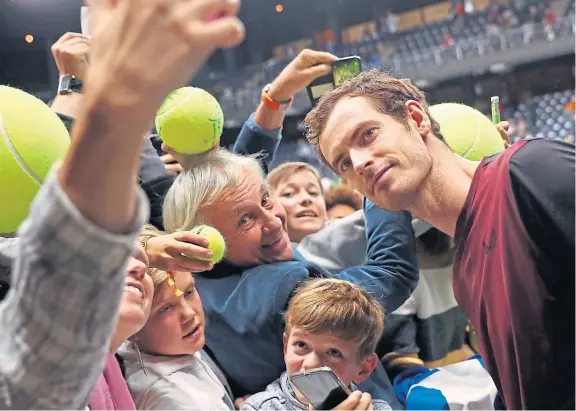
329	323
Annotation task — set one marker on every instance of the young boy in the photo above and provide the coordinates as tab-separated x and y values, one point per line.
329	323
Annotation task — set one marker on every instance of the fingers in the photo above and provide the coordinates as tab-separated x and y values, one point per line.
365	402
314	57
503	130
174	168
319	70
190	237
224	31
186	264
350	403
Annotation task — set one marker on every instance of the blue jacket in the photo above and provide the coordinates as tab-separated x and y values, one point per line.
244	306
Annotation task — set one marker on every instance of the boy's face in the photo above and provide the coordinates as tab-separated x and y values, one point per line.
176	323
304	351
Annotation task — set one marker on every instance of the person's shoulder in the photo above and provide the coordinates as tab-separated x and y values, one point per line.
538	148
270	399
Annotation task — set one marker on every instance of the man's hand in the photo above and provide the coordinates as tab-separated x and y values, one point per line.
179	252
146	49
171	164
71	55
306	67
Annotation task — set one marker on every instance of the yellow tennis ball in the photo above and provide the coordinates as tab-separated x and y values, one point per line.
32	138
467	131
216	242
190	121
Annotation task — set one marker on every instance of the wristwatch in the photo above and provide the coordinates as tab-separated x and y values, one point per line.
69	84
282	106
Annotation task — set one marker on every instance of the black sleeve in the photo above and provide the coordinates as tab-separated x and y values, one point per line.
542	179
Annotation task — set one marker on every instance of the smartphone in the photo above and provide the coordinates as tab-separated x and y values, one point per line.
321	387
84	16
342	69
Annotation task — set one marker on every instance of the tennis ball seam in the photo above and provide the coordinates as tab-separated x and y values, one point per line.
476	138
14	152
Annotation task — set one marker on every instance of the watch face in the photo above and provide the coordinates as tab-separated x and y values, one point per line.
65	83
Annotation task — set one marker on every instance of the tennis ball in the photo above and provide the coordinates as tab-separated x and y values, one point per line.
467	131
216	242
190	121
32	138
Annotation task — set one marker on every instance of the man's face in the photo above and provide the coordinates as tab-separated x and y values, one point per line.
252	222
375	153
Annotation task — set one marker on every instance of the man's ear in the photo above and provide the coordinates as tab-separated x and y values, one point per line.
368	365
285	341
416	113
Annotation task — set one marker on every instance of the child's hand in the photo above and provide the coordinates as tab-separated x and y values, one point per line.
239	401
179	252
356	401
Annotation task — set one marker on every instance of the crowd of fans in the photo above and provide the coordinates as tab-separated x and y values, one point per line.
110	300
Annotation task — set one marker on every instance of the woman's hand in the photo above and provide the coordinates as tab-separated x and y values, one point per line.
181	251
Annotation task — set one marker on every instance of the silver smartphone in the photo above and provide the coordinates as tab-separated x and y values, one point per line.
321	387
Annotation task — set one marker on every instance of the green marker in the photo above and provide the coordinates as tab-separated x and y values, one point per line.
495	104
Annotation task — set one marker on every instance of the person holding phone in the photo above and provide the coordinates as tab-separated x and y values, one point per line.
329	323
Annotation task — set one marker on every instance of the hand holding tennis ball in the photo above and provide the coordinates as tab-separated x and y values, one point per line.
216	242
193	251
190	121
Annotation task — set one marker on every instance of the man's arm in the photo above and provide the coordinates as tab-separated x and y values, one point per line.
262	131
391	270
61	310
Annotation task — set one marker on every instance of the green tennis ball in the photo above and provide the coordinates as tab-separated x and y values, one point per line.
216	242
467	131
190	121
32	138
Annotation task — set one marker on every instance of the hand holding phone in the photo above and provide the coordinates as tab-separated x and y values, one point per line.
324	391
342	69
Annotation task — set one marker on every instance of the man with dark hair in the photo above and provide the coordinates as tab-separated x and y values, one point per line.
511	215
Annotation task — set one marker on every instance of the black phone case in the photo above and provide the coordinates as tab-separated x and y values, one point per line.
328	78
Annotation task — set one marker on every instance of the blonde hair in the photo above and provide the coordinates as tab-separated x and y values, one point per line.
387	94
285	170
209	176
337	307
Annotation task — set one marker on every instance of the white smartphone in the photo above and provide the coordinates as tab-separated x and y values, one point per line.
84	24
321	387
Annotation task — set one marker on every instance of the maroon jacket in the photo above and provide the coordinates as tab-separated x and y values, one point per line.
514	271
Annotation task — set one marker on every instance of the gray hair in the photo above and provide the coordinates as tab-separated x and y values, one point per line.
207	176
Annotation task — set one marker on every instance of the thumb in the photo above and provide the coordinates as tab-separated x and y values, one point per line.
317	71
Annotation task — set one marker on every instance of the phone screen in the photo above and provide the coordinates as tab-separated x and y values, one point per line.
321	387
345	68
